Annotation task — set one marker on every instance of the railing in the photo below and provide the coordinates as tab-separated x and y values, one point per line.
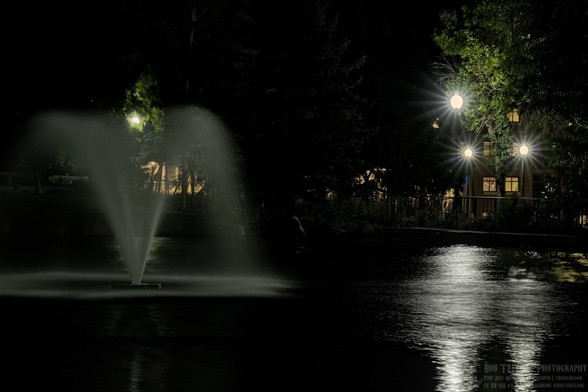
19	182
390	209
524	212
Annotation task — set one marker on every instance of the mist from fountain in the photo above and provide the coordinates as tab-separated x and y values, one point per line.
202	136
102	146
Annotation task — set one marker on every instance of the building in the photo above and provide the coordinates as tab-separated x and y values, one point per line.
529	177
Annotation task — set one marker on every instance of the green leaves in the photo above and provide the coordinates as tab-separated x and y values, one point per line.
529	56
485	44
143	99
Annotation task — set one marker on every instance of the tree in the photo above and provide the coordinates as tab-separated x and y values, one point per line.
481	61
517	54
560	88
288	88
165	51
528	56
396	85
143	108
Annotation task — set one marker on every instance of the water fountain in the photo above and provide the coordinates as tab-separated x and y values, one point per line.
102	147
56	286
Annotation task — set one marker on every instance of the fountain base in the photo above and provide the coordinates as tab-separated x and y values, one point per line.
155	286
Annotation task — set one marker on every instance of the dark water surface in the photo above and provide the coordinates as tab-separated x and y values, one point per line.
374	316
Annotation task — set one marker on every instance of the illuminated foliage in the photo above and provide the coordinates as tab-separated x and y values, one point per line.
488	44
525	55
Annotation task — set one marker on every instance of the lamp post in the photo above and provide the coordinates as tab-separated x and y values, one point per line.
468	153
135	123
456	103
524	151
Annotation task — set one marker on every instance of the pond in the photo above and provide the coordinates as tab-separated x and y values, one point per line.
366	315
487	318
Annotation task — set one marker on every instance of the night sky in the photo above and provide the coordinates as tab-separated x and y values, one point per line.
57	51
64	54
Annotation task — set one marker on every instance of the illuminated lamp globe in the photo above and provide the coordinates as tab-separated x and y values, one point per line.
134	119
456	101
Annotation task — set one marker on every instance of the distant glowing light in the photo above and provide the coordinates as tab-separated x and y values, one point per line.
456	101
134	119
524	150
468	153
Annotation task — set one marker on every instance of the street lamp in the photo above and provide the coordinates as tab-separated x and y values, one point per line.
468	153
456	101
134	120
524	151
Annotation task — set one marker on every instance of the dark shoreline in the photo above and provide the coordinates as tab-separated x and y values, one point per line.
64	217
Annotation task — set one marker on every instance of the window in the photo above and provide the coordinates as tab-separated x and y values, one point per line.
511	184
488	149
489	184
513	116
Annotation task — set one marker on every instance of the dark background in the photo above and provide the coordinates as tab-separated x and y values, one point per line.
80	55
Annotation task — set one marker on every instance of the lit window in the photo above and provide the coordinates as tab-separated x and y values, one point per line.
582	220
513	116
487	149
511	184
489	184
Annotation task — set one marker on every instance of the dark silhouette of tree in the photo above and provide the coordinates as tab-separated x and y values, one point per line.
286	84
559	103
280	75
396	42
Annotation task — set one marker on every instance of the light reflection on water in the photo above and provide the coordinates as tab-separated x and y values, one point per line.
452	303
458	302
